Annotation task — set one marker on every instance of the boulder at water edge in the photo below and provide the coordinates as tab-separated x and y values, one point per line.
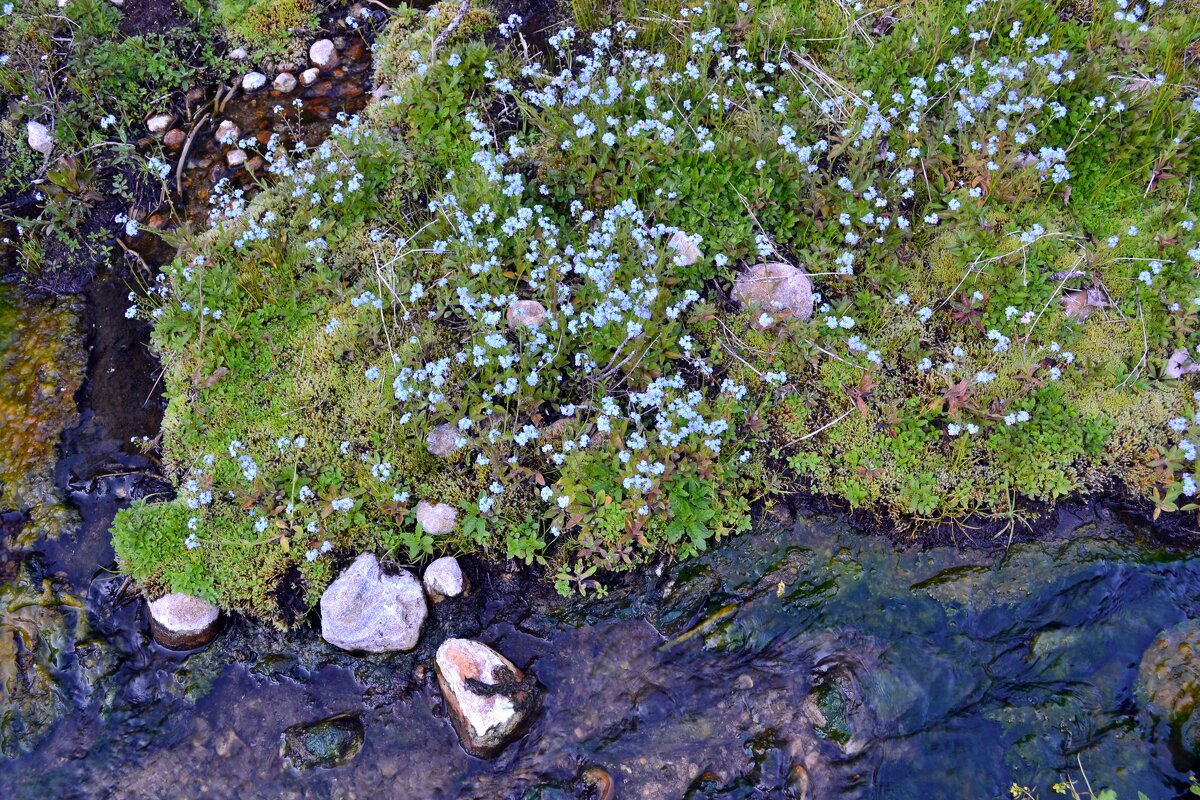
490	700
323	54
183	622
366	609
775	288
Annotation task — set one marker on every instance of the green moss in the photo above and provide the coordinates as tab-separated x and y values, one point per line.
939	378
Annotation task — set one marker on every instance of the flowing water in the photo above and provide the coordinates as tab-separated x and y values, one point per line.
801	659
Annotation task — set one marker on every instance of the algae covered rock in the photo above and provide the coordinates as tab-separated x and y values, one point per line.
1169	673
366	609
490	700
328	743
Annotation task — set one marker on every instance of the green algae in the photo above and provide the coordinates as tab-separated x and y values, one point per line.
42	365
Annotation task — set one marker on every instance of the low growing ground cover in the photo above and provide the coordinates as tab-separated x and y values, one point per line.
993	200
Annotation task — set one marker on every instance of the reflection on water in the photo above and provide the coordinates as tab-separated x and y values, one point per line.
812	657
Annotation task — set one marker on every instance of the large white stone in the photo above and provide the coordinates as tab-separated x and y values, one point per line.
437	519
686	251
227	132
39	137
444	440
775	288
183	622
284	82
365	609
485	720
444	578
323	54
525	314
253	81
159	123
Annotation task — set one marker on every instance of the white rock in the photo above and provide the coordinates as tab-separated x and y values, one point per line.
39	138
323	54
687	253
183	622
227	132
253	81
437	519
235	158
159	123
777	289
284	82
526	314
485	722
444	578
364	609
443	441
238	55
309	76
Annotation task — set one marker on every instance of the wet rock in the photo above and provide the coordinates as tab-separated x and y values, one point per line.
323	54
687	251
309	76
284	82
253	81
489	699
235	158
159	123
365	609
227	132
444	578
182	622
1169	672
776	288
525	314
39	138
437	519
443	440
174	139
328	743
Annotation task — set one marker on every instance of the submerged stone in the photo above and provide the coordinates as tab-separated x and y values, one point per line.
490	700
323	54
1169	673
328	743
182	622
365	609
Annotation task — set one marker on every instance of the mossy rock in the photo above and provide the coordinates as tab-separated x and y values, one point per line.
329	743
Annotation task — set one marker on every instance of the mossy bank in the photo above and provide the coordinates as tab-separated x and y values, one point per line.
992	202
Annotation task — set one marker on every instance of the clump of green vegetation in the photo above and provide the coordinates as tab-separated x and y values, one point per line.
507	291
267	26
74	72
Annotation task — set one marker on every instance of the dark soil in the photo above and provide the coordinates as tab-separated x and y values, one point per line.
151	16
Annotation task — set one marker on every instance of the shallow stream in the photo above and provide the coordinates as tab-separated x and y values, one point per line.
804	659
